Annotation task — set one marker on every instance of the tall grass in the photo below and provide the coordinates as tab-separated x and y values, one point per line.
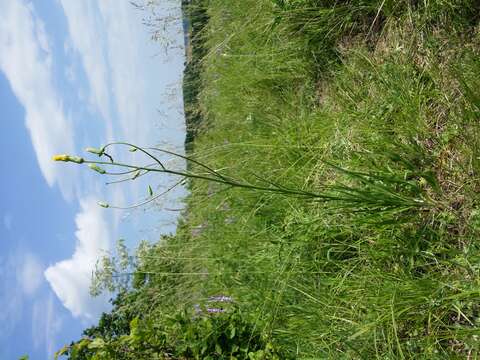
391	109
372	103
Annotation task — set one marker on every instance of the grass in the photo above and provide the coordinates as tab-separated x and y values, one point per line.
293	87
376	101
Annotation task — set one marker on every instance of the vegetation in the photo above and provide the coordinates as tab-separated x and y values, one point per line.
372	104
195	20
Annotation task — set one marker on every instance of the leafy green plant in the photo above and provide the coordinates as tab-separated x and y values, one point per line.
183	335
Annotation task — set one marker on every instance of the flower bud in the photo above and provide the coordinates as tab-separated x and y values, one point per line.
93	150
96	168
102	204
150	191
137	174
62	157
75	159
68	158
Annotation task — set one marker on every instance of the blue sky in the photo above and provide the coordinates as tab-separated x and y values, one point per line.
75	74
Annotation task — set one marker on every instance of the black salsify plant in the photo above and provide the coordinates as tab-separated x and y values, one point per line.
372	192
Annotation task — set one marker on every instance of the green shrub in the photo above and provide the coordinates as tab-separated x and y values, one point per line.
186	334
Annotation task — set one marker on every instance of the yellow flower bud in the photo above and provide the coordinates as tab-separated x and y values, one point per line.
62	157
68	158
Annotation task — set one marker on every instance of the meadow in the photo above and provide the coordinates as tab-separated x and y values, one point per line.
364	115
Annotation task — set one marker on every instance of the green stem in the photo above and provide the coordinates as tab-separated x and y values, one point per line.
213	179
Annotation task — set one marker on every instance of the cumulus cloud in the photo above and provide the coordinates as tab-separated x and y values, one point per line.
26	60
70	279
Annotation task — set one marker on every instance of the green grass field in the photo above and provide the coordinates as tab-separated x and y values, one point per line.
374	104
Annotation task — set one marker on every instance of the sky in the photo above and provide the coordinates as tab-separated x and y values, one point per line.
75	74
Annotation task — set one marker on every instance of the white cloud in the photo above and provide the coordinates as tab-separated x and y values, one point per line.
30	274
123	75
26	60
135	76
127	73
87	38
46	324
41	36
70	279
